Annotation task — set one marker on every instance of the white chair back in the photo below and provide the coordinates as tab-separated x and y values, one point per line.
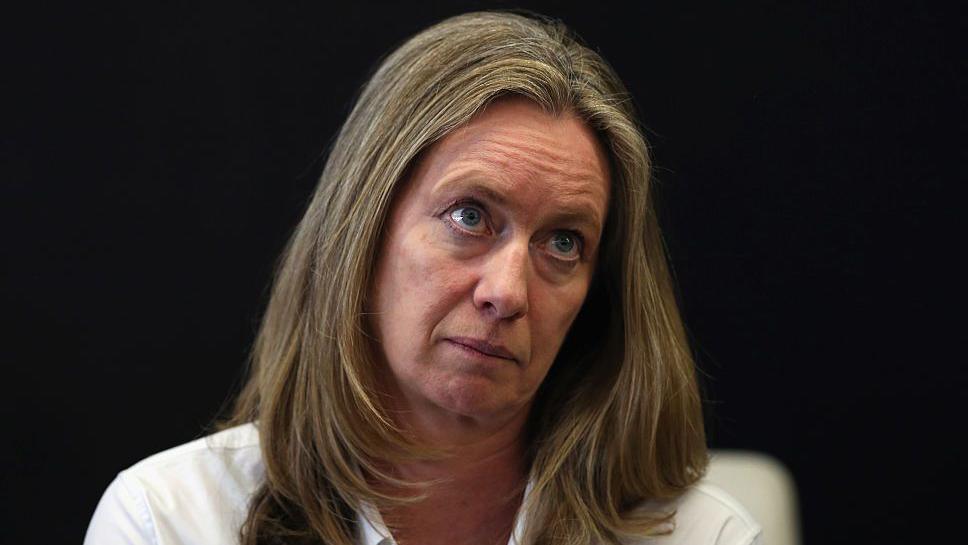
764	486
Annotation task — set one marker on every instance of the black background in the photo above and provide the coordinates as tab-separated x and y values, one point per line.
155	160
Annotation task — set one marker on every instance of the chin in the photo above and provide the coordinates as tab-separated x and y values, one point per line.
475	397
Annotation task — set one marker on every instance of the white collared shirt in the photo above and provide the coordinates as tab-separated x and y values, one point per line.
198	494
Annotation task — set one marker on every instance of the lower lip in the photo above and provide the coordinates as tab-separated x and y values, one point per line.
477	353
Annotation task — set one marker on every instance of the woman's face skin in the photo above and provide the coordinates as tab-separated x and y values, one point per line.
488	255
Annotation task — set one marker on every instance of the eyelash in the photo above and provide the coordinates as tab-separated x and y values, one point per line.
579	241
471	203
465	203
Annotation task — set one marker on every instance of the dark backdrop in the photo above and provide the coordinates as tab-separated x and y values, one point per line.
156	159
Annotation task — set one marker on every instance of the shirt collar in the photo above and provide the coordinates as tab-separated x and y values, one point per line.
370	527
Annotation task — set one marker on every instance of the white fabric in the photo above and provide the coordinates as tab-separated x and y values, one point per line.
765	487
198	493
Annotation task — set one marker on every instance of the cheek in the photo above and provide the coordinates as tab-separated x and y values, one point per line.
418	287
554	319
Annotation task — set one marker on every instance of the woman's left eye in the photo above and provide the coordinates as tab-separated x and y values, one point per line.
565	244
468	217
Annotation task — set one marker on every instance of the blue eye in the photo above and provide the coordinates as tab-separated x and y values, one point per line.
467	216
564	243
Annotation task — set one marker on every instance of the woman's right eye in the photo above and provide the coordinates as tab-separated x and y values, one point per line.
469	217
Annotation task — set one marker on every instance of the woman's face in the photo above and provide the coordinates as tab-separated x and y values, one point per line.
488	255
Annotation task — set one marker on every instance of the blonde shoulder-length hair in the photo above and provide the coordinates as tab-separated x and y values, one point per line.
618	419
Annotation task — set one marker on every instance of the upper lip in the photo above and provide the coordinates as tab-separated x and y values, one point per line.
485	347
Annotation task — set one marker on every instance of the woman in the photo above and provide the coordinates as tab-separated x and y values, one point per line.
472	337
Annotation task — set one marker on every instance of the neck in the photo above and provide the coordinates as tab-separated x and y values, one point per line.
475	490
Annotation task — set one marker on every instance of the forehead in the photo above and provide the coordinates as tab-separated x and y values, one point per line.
515	149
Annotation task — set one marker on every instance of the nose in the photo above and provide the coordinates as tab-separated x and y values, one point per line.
502	289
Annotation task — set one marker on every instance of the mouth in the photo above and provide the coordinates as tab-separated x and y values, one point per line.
483	347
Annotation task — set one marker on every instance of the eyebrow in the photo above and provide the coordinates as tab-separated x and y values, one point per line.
580	213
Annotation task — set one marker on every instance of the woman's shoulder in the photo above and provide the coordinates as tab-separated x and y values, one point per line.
710	509
706	514
219	452
197	492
